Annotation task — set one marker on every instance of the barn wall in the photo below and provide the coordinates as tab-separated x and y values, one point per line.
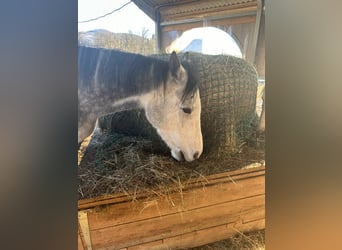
241	29
240	23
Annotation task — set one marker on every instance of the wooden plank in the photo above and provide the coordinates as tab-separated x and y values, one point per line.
188	199
150	245
219	22
202	237
209	235
84	228
195	212
79	241
248	7
137	232
233	21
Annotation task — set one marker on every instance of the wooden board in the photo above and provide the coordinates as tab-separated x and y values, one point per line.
196	213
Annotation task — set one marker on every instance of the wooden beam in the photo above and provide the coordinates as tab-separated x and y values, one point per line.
199	212
84	232
218	22
146	7
79	240
256	31
201	10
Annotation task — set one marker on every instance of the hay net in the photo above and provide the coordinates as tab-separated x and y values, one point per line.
228	88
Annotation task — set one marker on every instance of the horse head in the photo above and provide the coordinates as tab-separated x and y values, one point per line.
174	111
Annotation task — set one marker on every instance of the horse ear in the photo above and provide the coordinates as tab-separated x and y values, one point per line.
174	64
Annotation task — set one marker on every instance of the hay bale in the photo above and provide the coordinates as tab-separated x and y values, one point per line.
228	88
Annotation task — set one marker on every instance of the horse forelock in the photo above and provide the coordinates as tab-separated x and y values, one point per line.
192	82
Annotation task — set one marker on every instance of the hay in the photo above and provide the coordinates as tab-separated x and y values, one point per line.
130	157
116	163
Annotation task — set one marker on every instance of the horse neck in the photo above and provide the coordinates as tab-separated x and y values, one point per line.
134	94
118	81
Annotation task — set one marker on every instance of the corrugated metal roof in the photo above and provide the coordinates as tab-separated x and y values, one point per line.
171	9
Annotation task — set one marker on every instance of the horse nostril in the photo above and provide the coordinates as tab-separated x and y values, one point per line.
196	155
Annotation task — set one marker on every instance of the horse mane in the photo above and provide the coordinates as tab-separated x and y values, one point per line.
127	72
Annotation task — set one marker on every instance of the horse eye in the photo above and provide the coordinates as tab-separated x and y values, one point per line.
187	110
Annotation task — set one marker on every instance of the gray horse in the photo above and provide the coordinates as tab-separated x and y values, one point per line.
111	81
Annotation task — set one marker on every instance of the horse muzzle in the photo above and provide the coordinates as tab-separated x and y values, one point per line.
181	156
